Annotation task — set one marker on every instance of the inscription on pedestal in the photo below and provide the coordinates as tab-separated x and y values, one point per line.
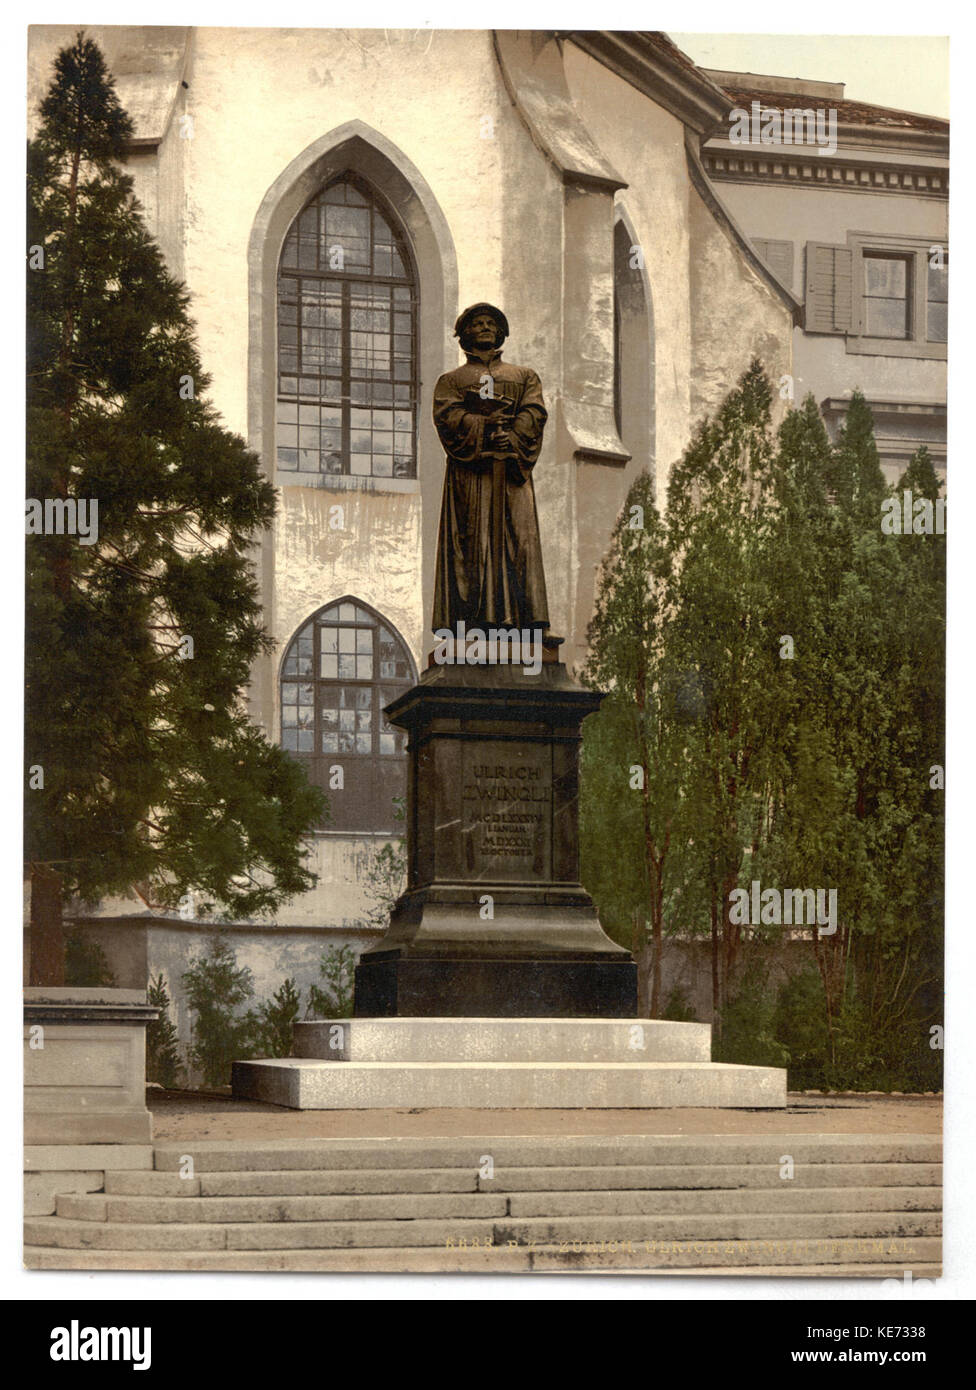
506	813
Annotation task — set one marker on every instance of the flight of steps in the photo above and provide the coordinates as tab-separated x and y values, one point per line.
855	1205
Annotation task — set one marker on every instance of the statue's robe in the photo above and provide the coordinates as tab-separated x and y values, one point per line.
489	560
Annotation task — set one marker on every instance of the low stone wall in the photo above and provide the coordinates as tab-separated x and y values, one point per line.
686	969
138	948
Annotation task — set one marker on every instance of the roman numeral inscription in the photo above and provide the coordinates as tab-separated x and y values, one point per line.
506	809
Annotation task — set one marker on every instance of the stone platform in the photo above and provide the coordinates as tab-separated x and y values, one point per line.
492	1063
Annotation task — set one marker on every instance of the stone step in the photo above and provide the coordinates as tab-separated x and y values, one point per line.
351	1181
317	1183
754	1201
306	1084
502	1040
891	1227
730	1176
569	1151
842	1259
402	1206
407	1206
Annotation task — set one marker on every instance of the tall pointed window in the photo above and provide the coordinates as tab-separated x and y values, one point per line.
347	340
339	672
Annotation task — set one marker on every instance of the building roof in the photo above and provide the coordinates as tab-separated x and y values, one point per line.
860	113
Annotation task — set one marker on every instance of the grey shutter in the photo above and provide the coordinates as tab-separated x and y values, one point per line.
778	255
830	288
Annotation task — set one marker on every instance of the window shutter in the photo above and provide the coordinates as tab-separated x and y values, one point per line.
778	255
830	288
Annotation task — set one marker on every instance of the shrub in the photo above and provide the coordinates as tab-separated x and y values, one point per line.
215	988
163	1063
337	967
273	1020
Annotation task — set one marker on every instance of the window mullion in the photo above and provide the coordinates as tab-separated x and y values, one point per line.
346	381
920	297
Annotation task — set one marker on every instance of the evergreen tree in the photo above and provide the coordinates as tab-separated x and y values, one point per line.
633	752
216	986
774	661
724	643
143	767
162	1040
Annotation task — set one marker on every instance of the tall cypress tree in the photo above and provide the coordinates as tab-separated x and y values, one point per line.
634	750
143	623
724	639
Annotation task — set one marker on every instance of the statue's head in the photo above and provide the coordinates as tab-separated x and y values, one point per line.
481	328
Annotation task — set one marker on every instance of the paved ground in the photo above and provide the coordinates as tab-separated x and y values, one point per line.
179	1115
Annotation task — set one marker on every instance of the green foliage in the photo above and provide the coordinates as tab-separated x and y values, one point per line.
775	666
337	967
85	963
273	1019
163	1063
152	771
679	1008
216	988
386	875
748	1033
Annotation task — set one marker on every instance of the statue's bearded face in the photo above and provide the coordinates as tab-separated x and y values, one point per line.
482	333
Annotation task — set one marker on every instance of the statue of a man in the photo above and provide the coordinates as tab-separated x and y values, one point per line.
490	416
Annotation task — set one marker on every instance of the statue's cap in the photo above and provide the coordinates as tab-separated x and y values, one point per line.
474	309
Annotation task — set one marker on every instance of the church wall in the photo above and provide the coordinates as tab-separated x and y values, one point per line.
432	108
735	317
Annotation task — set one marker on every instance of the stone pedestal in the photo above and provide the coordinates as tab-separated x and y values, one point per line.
85	1066
494	921
84	1089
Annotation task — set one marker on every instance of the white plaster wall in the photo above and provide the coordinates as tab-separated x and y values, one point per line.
735	316
645	145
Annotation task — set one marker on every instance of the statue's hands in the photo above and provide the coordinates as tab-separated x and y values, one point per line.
502	437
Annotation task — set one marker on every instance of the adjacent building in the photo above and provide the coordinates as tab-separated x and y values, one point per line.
853	218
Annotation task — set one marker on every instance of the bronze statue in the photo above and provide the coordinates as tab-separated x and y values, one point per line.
490	416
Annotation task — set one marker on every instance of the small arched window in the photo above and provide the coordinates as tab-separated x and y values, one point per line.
347	340
339	672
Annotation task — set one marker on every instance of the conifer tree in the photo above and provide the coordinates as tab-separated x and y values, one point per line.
723	640
634	750
142	765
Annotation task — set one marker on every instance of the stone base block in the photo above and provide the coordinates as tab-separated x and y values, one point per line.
67	1157
502	1040
306	1084
88	1127
529	988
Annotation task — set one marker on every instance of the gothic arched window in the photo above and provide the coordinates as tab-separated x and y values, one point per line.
339	671
347	340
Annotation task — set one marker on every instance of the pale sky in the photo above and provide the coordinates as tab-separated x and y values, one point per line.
910	73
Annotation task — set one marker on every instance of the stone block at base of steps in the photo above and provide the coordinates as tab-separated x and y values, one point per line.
502	1040
305	1084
